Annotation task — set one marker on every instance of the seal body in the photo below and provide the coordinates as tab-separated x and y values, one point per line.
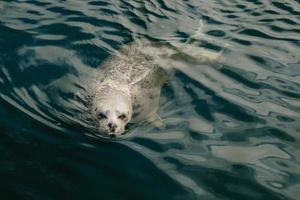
126	89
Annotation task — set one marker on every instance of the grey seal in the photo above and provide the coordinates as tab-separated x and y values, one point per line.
126	88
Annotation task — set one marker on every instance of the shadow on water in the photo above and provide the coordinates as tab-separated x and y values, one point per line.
232	125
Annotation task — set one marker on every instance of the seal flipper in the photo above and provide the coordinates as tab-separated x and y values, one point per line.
156	121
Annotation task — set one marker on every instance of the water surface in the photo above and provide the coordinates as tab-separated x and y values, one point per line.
232	125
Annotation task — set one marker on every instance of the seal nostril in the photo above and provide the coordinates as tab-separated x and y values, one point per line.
112	125
112	135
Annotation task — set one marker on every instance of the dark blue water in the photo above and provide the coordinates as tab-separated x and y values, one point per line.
232	125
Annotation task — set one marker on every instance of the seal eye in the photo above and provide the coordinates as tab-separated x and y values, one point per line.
101	116
122	117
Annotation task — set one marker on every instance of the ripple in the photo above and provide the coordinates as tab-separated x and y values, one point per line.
231	107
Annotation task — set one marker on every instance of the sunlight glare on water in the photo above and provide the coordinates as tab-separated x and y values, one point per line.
232	115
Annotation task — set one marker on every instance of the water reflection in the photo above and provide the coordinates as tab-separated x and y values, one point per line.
232	124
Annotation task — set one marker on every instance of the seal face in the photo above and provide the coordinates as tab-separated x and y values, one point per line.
111	111
126	89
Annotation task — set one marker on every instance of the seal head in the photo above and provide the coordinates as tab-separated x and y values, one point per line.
112	110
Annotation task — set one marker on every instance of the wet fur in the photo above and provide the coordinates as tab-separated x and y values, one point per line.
132	74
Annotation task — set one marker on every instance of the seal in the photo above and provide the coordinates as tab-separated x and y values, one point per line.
126	89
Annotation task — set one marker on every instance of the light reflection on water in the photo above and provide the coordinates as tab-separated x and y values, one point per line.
232	124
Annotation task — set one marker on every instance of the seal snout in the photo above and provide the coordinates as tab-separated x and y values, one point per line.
112	127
